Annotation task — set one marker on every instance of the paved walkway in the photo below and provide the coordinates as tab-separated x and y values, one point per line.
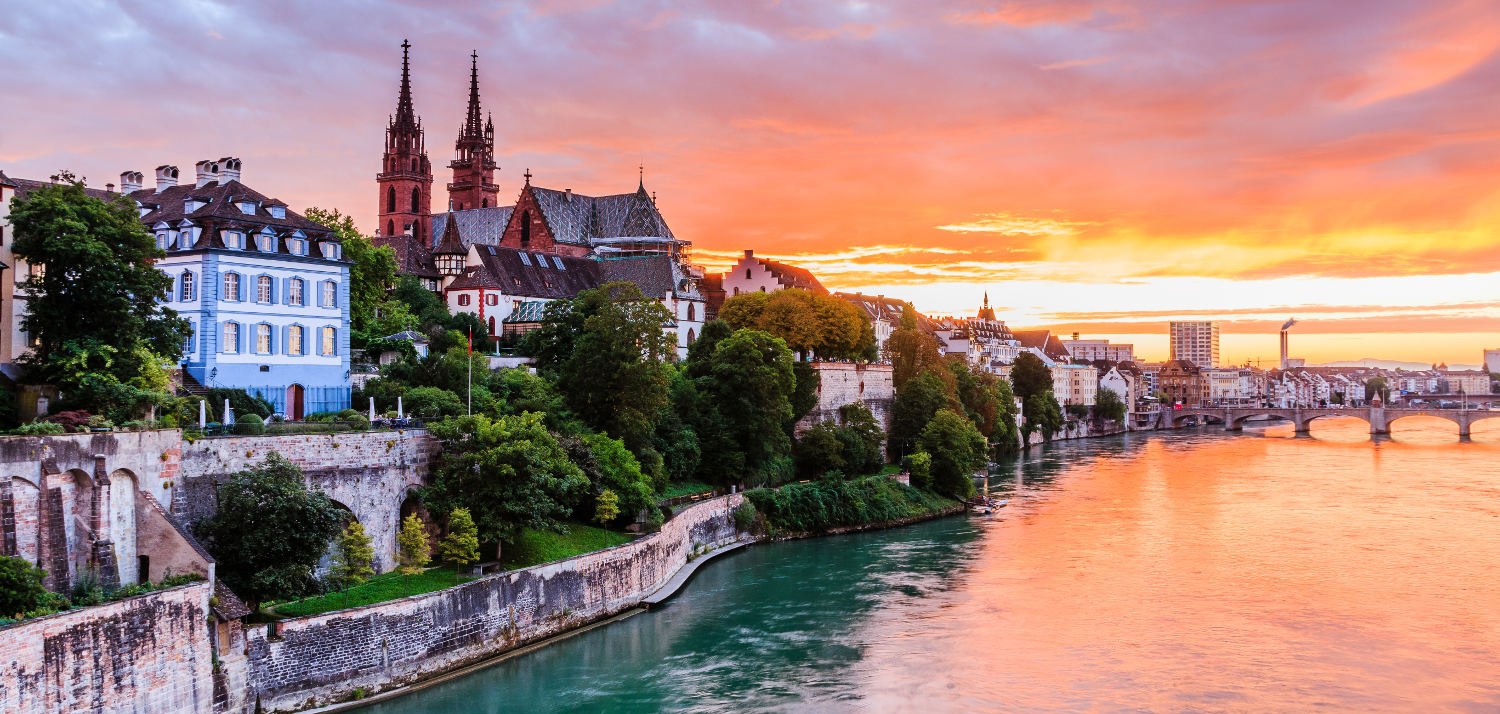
671	587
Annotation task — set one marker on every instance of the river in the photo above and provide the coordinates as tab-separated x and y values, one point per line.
1189	571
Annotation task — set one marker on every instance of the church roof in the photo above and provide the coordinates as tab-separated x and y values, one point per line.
477	225
573	218
5	180
528	274
656	275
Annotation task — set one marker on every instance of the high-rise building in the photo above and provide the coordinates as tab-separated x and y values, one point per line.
1492	361
1196	341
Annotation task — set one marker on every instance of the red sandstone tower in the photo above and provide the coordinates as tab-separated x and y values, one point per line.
474	160
405	178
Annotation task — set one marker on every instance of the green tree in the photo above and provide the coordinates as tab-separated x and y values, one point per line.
461	546
911	349
818	326
819	451
609	467
957	450
861	437
372	270
606	507
353	557
432	403
100	330
1377	385
1029	376
746	388
805	391
20	587
605	350
1042	413
413	552
510	472
269	532
914	406
1109	406
918	467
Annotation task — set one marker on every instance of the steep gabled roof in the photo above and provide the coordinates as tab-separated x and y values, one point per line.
482	226
1045	341
24	187
656	275
792	276
528	274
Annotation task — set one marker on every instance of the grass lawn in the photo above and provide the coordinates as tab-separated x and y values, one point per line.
889	470
687	488
387	586
536	547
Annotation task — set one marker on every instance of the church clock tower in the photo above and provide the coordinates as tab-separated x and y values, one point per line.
405	178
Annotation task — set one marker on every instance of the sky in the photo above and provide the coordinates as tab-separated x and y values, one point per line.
1098	166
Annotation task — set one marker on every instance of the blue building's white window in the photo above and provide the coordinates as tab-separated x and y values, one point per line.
294	340
329	342
232	286
185	239
234	240
263	339
263	289
231	338
187	342
294	292
331	251
189	290
265	243
330	294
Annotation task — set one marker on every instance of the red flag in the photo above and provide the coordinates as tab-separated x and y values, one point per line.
471	339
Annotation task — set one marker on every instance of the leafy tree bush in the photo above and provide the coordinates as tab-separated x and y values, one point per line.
957	449
818	506
353	557
745	388
805	392
914	406
461	546
911	350
606	507
270	531
511	473
41	428
1109	406
611	468
1077	411
413	553
746	518
814	325
819	450
433	403
249	425
1041	413
21	588
918	467
71	420
861	437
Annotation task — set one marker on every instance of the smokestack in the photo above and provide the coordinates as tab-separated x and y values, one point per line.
208	172
166	177
229	169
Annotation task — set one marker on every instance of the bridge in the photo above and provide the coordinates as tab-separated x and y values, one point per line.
1379	418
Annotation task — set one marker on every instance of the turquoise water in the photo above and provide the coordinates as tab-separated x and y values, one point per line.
1187	572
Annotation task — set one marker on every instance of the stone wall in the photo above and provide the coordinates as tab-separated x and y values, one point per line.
841	383
317	660
369	473
148	653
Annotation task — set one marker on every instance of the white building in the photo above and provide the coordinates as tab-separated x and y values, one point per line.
1122	384
1095	350
751	274
1196	342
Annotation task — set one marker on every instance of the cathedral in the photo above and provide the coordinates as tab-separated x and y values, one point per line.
505	262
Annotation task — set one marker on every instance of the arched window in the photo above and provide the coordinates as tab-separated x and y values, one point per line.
231	337
263	289
390	200
294	340
390	228
294	292
692	337
691	313
414	167
415	197
526	229
188	293
492	324
263	339
232	286
747	273
484	203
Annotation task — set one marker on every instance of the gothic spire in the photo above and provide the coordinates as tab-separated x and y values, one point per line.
472	125
404	113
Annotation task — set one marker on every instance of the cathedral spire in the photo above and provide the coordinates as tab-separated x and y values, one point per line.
405	115
471	124
405	178
473	162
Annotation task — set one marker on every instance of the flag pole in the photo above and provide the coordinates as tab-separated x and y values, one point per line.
471	370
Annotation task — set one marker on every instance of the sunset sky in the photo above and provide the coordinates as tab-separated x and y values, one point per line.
1098	166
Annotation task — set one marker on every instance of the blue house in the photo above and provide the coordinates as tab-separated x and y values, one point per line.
265	289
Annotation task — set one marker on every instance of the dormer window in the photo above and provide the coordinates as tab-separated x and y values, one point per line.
185	238
234	240
163	240
277	211
296	246
265	242
331	251
193	204
246	207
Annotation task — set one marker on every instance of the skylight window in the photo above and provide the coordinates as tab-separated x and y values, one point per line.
525	259
558	262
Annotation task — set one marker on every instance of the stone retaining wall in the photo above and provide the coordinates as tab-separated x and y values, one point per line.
148	653
313	661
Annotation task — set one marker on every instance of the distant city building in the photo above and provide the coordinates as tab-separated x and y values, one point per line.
1470	381
1123	384
1195	341
1491	358
884	314
1097	350
1183	382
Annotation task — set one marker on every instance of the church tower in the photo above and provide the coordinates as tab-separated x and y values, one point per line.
474	158
405	178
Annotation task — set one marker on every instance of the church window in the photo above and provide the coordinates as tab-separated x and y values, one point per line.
484	203
327	341
416	196
263	339
187	286
526	229
390	228
690	312
294	340
414	169
747	273
492	324
263	289
390	200
232	286
691	336
294	292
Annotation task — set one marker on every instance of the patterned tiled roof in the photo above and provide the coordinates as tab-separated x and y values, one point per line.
876	307
573	218
5	180
24	187
794	277
477	225
656	275
528	274
1043	340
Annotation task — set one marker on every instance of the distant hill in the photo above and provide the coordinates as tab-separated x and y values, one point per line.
1393	364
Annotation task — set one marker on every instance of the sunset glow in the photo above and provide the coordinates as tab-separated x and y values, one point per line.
1099	166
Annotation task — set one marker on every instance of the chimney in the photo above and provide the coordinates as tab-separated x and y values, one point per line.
109	188
749	253
130	181
166	177
229	169
568	195
208	172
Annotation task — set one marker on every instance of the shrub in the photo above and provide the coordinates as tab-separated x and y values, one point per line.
20	586
606	507
432	403
250	425
349	414
359	422
41	428
745	517
818	506
919	467
71	420
353	557
655	520
413	552
461	546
